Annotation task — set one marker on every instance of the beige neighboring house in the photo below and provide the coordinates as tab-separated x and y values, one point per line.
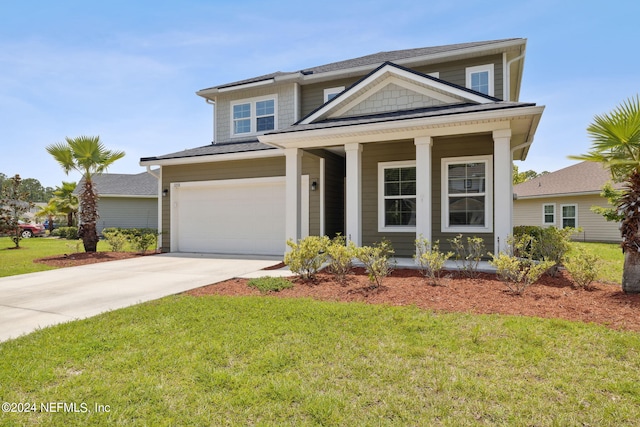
564	199
392	145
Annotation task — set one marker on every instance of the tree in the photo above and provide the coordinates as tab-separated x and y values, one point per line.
50	211
66	201
14	202
616	145
520	177
612	195
89	156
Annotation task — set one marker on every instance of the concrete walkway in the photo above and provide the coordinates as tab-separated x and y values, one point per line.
36	300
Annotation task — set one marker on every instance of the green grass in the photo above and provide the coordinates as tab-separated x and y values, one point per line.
611	257
20	261
268	361
270	284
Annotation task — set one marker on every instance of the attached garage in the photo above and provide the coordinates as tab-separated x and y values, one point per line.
235	216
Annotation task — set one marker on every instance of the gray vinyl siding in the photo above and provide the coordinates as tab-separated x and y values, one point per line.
238	169
594	227
313	94
127	212
476	145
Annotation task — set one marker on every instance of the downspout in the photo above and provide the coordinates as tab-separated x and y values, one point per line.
508	79
213	103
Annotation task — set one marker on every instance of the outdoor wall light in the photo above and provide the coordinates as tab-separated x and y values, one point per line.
165	192
314	186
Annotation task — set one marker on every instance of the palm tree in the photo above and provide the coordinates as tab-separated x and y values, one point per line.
616	144
87	155
65	201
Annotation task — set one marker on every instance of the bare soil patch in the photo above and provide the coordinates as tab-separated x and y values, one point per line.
550	297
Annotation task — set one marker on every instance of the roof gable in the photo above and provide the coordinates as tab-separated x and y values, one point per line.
392	88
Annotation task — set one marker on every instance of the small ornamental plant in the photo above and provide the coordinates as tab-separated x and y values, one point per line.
583	268
468	256
377	261
307	256
340	256
430	259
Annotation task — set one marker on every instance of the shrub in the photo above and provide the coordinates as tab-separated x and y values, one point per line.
115	238
583	268
142	238
307	256
69	233
376	261
552	244
340	255
430	259
270	284
468	256
516	267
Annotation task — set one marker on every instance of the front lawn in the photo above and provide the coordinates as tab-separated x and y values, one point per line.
267	361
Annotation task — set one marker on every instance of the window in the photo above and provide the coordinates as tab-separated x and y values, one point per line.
397	196
549	214
253	116
569	216
466	194
480	79
331	93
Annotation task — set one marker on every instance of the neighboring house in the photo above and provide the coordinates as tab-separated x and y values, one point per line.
393	145
126	200
564	199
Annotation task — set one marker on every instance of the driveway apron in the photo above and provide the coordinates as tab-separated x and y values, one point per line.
36	300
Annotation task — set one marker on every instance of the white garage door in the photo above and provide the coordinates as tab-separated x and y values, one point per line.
240	216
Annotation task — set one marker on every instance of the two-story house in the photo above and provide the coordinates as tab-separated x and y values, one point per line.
393	145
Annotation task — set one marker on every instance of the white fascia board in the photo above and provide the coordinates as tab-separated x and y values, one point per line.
126	196
483	121
558	195
262	154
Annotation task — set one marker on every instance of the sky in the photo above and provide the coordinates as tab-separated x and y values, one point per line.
127	71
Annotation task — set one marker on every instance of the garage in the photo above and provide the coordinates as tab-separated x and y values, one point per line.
237	216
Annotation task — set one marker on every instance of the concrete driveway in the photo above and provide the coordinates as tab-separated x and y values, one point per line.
36	300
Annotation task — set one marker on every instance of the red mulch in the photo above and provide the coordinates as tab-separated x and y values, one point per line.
550	297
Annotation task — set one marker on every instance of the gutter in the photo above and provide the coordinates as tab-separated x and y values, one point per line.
508	82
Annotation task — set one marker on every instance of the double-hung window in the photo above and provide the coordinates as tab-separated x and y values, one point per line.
480	79
253	116
569	216
549	214
466	194
397	196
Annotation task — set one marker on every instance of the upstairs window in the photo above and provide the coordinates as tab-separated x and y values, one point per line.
253	116
331	93
480	79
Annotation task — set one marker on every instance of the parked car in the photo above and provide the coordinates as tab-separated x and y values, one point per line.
46	224
28	230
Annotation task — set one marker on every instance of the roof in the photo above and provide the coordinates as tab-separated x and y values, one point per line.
581	178
214	149
372	60
121	184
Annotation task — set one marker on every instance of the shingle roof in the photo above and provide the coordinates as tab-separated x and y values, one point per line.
369	60
121	184
584	177
213	149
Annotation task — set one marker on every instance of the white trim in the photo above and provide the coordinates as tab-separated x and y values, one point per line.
253	117
544	214
489	68
353	204
126	196
424	200
562	217
382	227
330	91
242	86
488	194
262	154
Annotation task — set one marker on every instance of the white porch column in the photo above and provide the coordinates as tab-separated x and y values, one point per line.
423	186
353	206
292	194
503	188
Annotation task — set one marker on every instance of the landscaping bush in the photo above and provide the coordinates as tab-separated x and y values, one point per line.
69	233
270	284
376	260
307	256
115	238
340	256
583	267
516	266
430	259
142	239
468	256
552	244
